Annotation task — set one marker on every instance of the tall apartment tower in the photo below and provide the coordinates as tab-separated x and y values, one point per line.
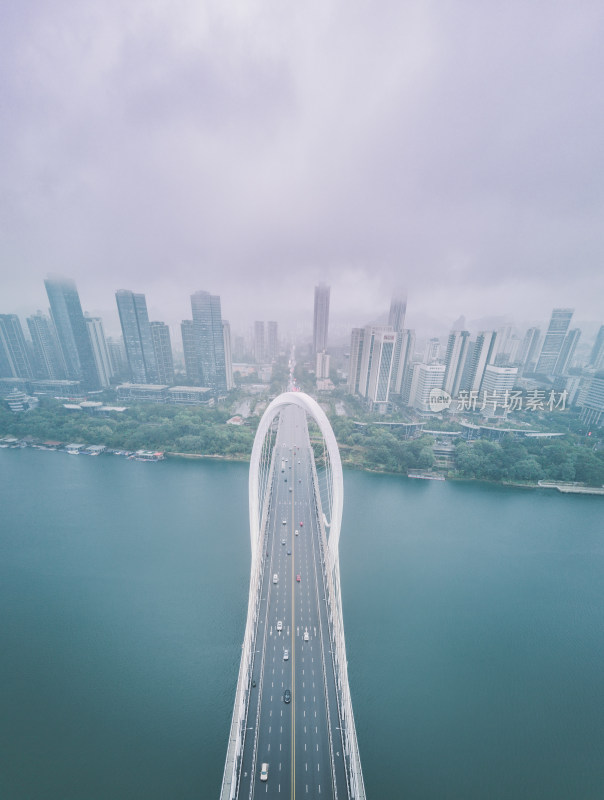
596	358
527	356
564	360
432	352
99	350
483	353
189	350
398	309
209	340
403	358
117	356
272	340
72	332
136	330
47	351
455	360
228	358
259	343
354	362
425	378
162	348
321	318
14	358
554	339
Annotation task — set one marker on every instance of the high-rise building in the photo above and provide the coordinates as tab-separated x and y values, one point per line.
99	350
189	351
322	366
483	353
272	340
425	378
371	359
455	360
398	309
162	348
47	351
136	330
228	358
209	340
403	358
596	359
14	358
567	352
354	362
259	348
527	355
495	383
117	356
69	322
554	339
432	352
592	411
321	318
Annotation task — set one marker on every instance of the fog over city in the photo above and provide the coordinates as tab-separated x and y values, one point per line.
255	149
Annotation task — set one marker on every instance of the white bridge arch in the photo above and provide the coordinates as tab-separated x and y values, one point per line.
256	487
329	499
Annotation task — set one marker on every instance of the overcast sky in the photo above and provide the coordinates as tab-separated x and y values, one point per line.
255	148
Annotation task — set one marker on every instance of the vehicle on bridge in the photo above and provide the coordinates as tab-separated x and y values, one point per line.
264	772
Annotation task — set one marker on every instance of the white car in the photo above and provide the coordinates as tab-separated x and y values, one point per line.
286	655
279	625
275	578
297	531
306	635
282	541
284	521
264	772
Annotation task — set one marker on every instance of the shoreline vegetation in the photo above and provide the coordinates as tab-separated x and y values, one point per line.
193	432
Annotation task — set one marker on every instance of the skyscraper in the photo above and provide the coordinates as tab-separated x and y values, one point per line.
47	351
455	360
370	365
527	357
354	362
99	350
259	348
228	358
425	378
14	359
403	357
321	318
189	350
564	360
66	312
483	353
398	309
209	340
162	348
136	330
554	339
596	358
272	341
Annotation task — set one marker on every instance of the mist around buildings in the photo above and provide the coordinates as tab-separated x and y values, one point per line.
428	406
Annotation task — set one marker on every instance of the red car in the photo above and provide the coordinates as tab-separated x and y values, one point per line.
298	578
301	524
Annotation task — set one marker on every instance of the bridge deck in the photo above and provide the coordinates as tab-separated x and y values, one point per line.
301	740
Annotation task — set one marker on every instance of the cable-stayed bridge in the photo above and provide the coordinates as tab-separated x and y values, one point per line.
292	733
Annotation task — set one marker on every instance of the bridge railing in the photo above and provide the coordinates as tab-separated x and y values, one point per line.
230	778
331	571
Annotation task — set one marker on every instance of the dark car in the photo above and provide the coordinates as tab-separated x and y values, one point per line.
287	696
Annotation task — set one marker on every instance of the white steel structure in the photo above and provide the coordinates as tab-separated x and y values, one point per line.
328	495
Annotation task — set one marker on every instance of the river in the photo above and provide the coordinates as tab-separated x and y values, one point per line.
474	620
